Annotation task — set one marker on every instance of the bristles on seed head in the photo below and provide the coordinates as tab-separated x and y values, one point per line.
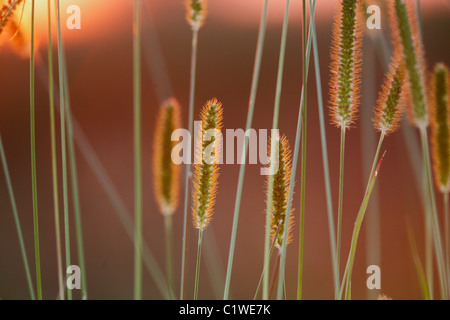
280	193
206	174
196	13
165	171
407	40
15	28
346	63
382	296
390	103
439	115
6	12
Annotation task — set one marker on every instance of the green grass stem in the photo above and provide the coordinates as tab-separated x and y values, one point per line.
303	156
33	161
418	264
281	286
75	188
17	221
447	232
341	194
197	269
188	165
137	150
51	95
62	113
169	254
251	107
258	288
346	280
326	170
435	228
64	88
272	160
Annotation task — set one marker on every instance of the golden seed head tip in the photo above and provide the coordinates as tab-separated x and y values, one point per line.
206	173
165	172
280	194
346	61
196	12
212	114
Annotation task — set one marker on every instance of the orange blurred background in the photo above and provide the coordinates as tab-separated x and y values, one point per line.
99	58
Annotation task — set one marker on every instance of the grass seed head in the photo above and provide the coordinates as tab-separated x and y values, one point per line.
439	113
407	40
6	12
15	27
382	296
390	103
280	193
165	171
196	13
346	63
206	174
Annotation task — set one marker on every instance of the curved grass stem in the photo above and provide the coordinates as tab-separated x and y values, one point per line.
346	280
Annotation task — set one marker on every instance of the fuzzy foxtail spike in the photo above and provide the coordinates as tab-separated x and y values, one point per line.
196	13
382	296
280	194
346	63
439	112
6	11
15	27
407	40
206	173
165	171
390	103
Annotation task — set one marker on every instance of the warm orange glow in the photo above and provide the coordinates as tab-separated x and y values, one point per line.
104	18
98	18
